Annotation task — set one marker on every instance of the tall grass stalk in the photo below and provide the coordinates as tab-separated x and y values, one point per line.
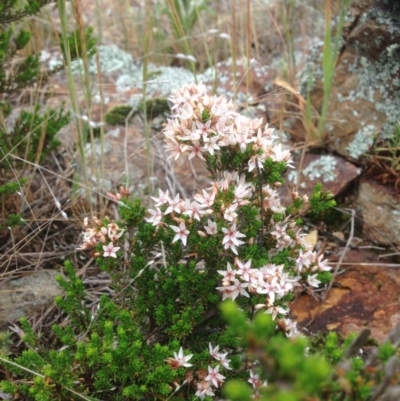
329	58
80	139
248	49
84	131
289	29
147	128
234	46
178	20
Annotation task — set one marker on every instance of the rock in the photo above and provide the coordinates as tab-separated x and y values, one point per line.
380	212
365	98
365	296
333	172
364	107
27	295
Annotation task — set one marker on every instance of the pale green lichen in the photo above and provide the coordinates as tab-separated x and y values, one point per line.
381	77
324	168
362	141
113	60
312	71
162	80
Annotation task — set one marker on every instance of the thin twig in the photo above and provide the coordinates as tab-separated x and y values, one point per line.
339	263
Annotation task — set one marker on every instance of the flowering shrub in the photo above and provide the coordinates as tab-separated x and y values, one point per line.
240	217
161	335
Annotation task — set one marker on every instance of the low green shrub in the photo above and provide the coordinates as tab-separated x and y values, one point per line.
161	334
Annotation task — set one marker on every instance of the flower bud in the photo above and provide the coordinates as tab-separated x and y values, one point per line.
123	191
202	234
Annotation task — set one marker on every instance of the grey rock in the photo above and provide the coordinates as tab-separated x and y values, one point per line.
365	97
27	295
380	210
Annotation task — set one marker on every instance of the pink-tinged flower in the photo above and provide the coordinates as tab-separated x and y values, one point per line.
203	389
232	245
193	209
236	289
279	231
213	351
284	242
162	199
232	234
289	327
228	178
175	148
282	155
156	216
206	199
255	162
114	232
242	141
230	212
179	360
196	150
211	227
254	380
269	290
228	274
174	205
268	285
322	264
243	190
305	259
181	233
227	292
203	128
244	269
276	310
275	205
191	136
214	376
313	281
300	240
224	361
110	250
179	97
185	112
210	144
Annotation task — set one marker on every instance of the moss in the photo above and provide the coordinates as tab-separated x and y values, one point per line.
118	115
154	107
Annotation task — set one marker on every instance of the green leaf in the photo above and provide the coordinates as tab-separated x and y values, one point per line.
237	390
